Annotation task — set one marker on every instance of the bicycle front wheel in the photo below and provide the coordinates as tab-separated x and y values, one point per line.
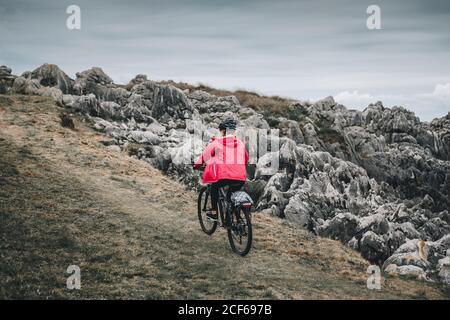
240	233
203	206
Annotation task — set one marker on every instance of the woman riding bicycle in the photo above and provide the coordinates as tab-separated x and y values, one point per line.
226	159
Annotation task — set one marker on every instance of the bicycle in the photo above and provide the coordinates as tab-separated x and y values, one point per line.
236	218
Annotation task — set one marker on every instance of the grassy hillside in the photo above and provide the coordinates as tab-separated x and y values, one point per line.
66	198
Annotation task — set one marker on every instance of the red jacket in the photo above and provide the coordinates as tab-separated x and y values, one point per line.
225	158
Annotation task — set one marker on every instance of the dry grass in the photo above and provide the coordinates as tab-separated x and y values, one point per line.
67	199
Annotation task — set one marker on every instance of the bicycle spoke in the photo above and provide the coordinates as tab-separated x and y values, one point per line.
207	225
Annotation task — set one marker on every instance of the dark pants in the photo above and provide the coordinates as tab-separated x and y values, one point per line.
233	185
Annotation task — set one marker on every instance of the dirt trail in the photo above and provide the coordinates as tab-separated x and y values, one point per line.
66	198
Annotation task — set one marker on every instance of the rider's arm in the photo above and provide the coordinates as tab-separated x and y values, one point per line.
206	155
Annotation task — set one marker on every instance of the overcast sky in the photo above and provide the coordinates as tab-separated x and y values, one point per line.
299	49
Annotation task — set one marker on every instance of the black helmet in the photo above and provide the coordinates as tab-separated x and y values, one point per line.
228	124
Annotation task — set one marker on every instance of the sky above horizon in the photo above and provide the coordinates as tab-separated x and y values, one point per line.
299	49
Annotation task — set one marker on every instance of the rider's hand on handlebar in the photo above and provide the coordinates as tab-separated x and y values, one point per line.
200	168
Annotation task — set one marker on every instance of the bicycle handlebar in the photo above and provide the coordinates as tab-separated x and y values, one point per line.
201	168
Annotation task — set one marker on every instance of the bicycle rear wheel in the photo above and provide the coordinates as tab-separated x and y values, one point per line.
204	205
240	233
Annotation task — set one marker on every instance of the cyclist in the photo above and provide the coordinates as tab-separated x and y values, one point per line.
226	159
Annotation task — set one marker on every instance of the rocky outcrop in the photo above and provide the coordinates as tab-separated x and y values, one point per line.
23	85
89	80
420	258
440	131
138	79
169	105
95	81
377	180
49	75
6	79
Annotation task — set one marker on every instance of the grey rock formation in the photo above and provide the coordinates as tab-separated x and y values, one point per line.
25	86
440	131
49	75
87	80
138	79
84	104
443	269
96	81
6	79
168	104
32	86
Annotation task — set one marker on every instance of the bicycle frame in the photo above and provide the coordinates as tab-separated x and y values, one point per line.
222	199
